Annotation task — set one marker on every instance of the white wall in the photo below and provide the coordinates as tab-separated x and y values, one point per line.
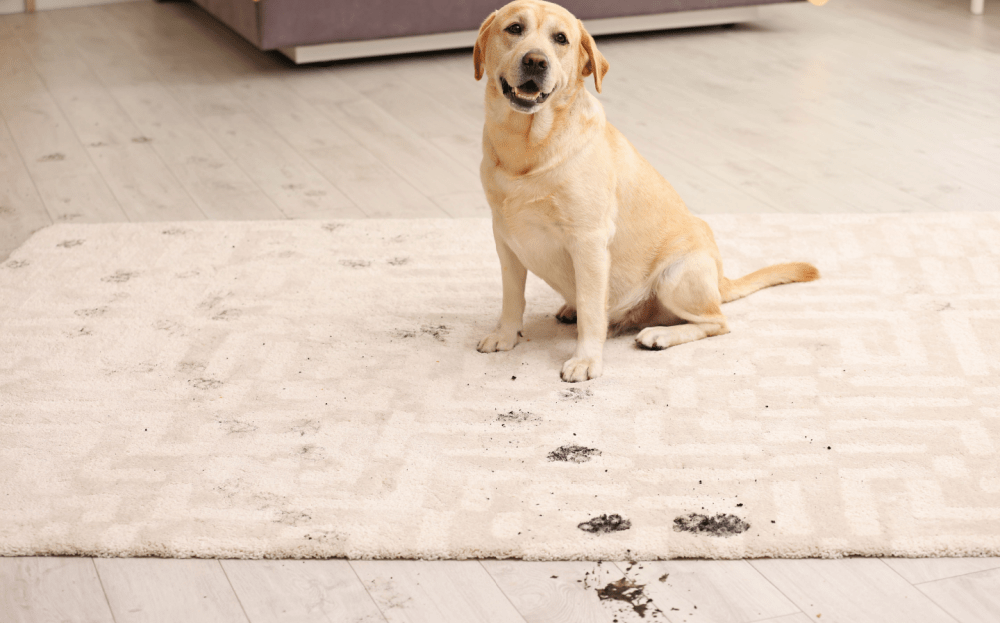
17	6
11	6
42	5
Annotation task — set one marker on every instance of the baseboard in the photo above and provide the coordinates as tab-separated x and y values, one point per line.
8	7
47	5
465	39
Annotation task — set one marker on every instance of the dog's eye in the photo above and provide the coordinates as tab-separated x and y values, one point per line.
561	39
514	29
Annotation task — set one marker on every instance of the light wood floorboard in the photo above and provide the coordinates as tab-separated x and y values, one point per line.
56	590
971	598
145	111
415	591
282	591
149	590
853	590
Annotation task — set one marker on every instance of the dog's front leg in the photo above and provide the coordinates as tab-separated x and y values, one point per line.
504	337
591	268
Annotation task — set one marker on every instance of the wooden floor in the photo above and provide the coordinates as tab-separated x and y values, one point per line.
146	111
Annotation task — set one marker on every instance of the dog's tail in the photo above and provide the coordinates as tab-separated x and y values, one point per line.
732	289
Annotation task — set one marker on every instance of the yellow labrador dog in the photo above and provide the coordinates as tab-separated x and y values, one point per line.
574	203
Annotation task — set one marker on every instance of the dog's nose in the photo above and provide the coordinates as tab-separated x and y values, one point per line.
535	62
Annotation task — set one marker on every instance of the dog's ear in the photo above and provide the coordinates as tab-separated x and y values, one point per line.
595	62
479	52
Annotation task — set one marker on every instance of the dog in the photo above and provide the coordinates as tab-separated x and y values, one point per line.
574	202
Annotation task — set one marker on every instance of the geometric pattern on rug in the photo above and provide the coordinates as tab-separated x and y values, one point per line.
312	389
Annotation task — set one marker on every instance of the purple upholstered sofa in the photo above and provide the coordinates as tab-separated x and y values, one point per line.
317	30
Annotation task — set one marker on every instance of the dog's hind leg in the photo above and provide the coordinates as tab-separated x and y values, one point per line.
689	289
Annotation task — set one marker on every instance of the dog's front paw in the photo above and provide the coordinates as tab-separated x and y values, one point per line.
498	341
566	314
580	369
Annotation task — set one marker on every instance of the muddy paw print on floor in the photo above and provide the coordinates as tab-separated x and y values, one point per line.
175	231
397	261
332	226
15	264
56	157
90	313
605	524
120	276
723	525
573	454
69	244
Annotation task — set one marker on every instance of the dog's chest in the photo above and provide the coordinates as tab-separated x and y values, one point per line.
532	230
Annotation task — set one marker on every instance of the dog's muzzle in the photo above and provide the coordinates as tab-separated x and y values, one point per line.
525	96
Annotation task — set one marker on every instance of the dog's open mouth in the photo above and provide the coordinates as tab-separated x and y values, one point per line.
527	95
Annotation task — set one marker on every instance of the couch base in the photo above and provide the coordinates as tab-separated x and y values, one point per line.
466	39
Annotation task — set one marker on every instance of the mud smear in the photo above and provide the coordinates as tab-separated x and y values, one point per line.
721	525
398	261
292	518
332	226
142	139
356	263
575	394
517	417
205	383
305	427
212	301
52	157
175	231
89	313
228	314
627	591
573	454
312	452
119	277
68	244
437	332
605	524
234	427
17	263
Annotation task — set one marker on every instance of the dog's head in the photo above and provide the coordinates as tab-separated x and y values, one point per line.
530	50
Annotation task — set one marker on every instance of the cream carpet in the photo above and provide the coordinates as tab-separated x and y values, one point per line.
312	389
